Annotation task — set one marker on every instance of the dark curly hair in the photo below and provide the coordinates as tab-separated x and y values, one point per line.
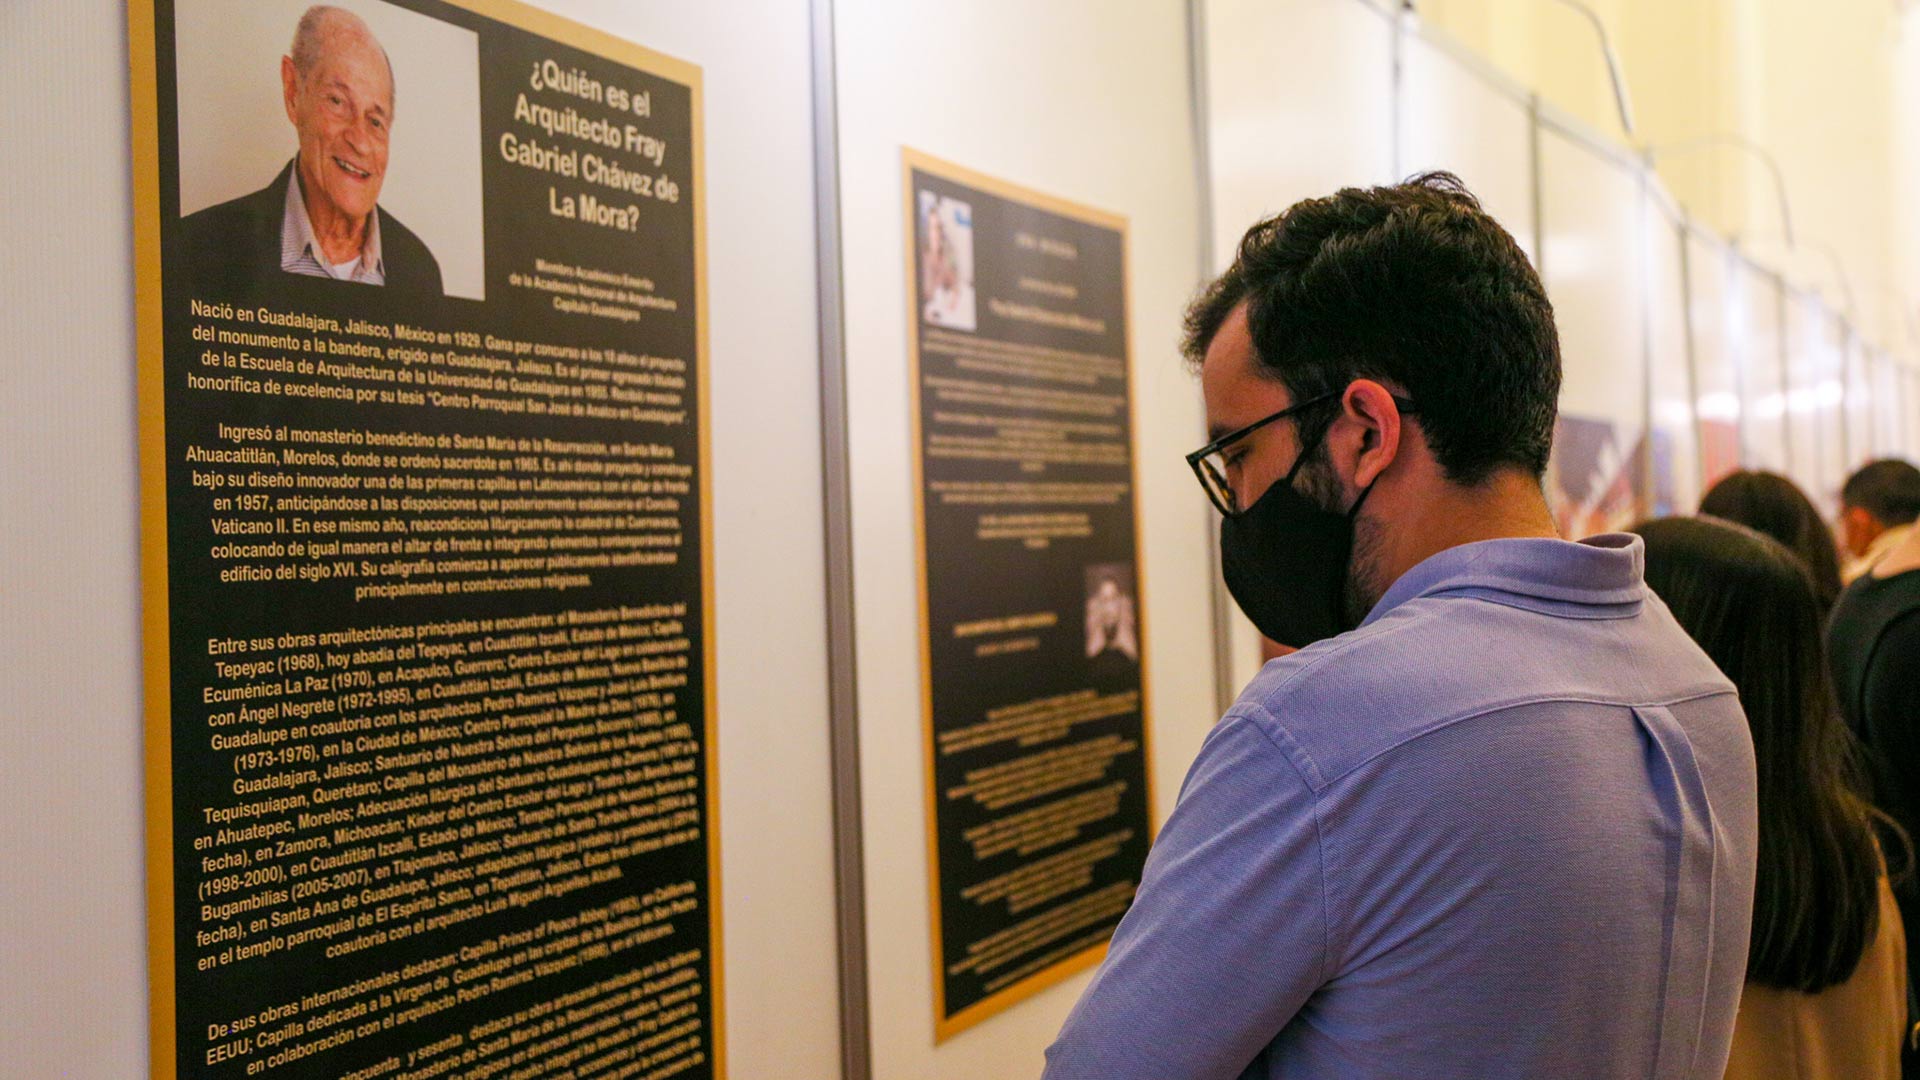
1413	285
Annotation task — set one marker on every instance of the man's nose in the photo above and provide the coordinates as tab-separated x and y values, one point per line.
361	135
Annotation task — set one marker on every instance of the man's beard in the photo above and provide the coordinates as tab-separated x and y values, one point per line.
1361	588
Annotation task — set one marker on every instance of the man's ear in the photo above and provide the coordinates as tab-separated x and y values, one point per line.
1374	422
1859	528
289	89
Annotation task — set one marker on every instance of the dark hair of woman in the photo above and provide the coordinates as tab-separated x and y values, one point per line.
1770	503
1749	603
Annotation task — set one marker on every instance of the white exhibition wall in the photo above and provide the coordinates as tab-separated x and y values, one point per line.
1675	444
1716	367
1856	413
1667	332
1458	115
1889	411
1591	263
1757	320
1284	123
73	895
1684	358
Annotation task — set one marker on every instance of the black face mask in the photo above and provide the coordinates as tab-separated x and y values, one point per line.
1286	559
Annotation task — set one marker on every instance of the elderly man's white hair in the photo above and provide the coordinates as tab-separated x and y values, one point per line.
322	21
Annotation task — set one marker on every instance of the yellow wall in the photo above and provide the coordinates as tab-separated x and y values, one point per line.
1831	88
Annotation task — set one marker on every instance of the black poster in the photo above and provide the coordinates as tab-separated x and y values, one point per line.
422	346
1033	635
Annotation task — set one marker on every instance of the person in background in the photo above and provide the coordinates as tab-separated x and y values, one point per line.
1496	818
1878	506
1873	645
1826	995
1770	504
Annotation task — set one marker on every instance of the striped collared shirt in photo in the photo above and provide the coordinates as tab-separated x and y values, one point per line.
300	253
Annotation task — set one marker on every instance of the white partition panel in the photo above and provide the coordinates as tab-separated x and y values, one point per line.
1287	120
1457	114
1873	394
1076	100
1716	370
1857	408
1674	449
72	936
1590	210
72	896
1909	446
1805	322
1755	326
1300	103
1829	410
1889	418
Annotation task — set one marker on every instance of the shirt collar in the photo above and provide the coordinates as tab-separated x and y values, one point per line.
1605	570
298	228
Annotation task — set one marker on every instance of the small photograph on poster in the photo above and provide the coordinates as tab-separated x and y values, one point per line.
1112	629
331	140
946	262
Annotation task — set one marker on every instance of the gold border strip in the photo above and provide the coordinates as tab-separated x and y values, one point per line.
150	352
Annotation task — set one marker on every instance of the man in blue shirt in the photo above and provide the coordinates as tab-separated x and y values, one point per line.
1496	817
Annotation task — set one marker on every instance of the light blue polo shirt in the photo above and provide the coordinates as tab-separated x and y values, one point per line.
1504	829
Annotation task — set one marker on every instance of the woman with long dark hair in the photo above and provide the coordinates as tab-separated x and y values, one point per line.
1826	969
1772	505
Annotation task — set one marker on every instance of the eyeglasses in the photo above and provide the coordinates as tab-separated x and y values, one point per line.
1209	463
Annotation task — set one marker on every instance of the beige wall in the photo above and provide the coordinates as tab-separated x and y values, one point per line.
1832	89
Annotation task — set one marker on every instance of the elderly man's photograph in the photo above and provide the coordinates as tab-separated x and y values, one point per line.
321	215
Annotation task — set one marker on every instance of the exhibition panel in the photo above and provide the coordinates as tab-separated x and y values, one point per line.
426	538
1829	409
1675	447
1457	114
1910	401
766	602
1039	786
1889	405
1856	406
1716	367
910	76
1806	361
1757	321
1590	205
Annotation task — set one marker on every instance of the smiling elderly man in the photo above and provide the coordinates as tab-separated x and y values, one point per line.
320	217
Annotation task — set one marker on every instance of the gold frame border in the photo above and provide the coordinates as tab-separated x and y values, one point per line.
155	612
945	1027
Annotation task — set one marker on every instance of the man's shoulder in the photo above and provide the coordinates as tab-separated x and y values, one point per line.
1439	660
410	264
